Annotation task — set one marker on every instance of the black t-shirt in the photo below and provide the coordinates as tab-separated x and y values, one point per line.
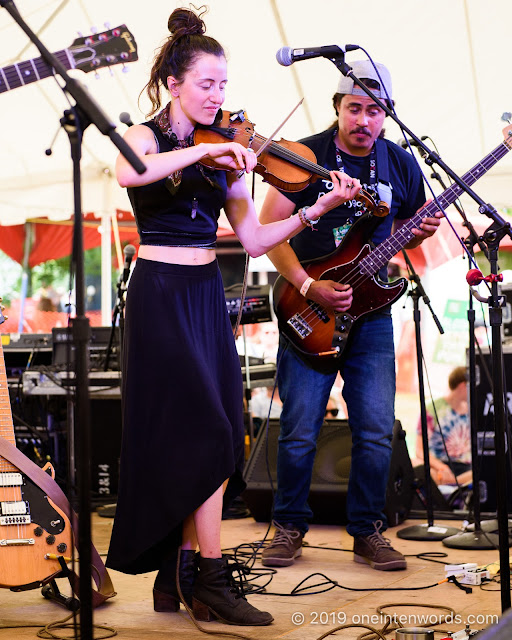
406	184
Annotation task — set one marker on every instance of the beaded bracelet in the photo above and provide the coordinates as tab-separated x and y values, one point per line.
305	220
305	286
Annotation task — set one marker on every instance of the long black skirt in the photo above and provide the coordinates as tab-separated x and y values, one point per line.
182	399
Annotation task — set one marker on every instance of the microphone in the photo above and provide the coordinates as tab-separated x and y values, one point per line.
287	56
403	142
126	119
129	251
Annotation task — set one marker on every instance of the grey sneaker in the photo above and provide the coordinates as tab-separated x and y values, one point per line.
284	548
377	551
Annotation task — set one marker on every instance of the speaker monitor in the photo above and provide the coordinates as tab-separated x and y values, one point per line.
486	452
106	432
329	483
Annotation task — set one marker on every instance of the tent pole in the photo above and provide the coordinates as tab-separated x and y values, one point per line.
24	276
106	270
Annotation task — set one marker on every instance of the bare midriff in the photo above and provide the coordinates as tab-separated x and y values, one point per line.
177	255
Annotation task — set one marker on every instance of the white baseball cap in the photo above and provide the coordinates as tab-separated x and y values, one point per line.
365	69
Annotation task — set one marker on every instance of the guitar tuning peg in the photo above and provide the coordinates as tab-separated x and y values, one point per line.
97	75
80	34
125	69
107	25
94	30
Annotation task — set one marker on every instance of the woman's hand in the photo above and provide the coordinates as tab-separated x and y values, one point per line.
231	155
344	188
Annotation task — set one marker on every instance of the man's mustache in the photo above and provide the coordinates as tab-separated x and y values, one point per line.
363	131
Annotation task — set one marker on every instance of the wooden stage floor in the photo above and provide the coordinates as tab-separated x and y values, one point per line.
356	600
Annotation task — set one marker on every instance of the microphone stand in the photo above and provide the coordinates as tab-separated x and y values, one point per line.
118	313
478	538
74	122
423	531
109	510
492	240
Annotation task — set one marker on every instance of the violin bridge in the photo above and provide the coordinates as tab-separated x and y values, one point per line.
237	116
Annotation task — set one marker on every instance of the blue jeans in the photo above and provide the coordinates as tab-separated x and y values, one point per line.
368	371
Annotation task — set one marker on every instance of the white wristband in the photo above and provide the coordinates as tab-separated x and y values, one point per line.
305	286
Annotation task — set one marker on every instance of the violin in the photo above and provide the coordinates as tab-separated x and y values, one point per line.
289	166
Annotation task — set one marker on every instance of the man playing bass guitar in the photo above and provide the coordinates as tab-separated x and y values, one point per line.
355	145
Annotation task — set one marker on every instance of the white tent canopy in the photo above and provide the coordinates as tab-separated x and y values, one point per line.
448	62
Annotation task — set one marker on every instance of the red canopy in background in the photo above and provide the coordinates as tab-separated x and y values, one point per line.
52	239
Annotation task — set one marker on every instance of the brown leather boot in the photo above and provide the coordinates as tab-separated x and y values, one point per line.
165	591
217	595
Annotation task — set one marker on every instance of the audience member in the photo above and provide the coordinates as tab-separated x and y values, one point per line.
449	434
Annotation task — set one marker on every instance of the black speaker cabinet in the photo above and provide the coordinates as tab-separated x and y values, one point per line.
106	432
329	484
486	451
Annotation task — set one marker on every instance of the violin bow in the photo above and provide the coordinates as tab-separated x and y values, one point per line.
269	140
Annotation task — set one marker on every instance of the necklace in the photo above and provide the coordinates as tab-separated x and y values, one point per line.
163	122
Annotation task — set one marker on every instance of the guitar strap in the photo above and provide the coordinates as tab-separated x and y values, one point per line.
379	169
105	588
383	183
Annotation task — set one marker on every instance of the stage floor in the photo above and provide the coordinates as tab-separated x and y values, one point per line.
356	600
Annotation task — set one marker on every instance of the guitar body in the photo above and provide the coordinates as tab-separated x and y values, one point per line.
31	526
23	547
322	335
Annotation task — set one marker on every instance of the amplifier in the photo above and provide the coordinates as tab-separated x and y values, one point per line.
256	303
22	350
60	383
486	451
64	347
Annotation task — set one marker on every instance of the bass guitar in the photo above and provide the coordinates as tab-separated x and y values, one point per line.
89	53
321	334
33	531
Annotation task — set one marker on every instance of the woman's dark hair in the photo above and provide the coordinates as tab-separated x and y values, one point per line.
181	49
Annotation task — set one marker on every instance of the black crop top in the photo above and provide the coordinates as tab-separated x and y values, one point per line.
189	217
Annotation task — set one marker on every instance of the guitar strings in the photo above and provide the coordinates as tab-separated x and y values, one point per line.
311	316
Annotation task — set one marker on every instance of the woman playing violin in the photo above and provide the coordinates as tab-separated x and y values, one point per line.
183	432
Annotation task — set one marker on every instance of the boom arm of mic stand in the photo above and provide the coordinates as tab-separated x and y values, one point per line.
82	97
473	236
414	277
483	207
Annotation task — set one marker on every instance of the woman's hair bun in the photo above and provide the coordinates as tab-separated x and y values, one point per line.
184	22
